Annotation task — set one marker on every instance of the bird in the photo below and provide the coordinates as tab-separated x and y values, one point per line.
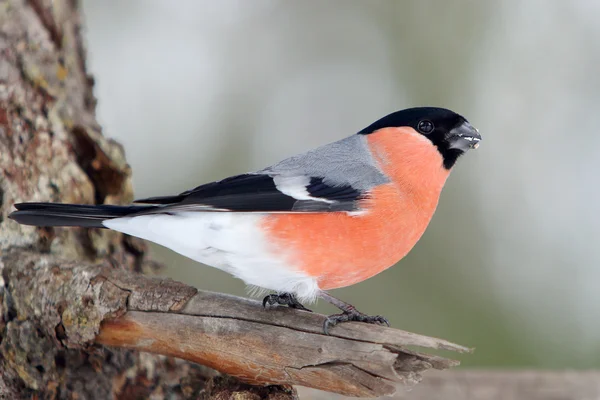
328	218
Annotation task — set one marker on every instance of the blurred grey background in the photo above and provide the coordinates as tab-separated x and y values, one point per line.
200	90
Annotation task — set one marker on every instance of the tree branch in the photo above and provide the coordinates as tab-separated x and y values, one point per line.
84	304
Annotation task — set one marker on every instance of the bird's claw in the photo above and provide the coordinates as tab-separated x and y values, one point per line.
284	299
354	315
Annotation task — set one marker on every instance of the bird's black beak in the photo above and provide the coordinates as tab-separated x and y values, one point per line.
464	137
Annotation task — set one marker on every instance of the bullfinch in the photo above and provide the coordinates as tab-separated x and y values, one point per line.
328	218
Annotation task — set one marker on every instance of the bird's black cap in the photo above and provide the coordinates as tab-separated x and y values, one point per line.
450	132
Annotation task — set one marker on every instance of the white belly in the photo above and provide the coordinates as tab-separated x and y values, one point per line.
232	242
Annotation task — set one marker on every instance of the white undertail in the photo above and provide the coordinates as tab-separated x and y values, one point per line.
232	242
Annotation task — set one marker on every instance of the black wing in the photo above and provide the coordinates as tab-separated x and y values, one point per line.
259	193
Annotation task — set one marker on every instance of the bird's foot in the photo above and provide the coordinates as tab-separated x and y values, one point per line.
284	299
352	315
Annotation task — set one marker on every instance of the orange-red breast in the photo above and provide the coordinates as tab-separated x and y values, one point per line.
324	219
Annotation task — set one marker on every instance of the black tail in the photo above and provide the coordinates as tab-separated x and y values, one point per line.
56	214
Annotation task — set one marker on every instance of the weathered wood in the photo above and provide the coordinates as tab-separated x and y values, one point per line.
218	304
82	304
270	354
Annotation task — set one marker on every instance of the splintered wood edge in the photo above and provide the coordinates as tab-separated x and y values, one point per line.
238	337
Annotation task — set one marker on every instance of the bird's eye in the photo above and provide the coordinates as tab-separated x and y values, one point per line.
425	126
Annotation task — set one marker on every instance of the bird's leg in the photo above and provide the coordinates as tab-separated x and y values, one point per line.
350	313
285	299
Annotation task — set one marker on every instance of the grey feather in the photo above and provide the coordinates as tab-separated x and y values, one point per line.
345	162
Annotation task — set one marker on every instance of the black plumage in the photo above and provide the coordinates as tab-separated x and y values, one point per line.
240	193
259	193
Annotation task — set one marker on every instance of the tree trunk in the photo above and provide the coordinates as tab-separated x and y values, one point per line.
52	149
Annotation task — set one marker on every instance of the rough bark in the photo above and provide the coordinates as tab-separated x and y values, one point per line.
52	149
